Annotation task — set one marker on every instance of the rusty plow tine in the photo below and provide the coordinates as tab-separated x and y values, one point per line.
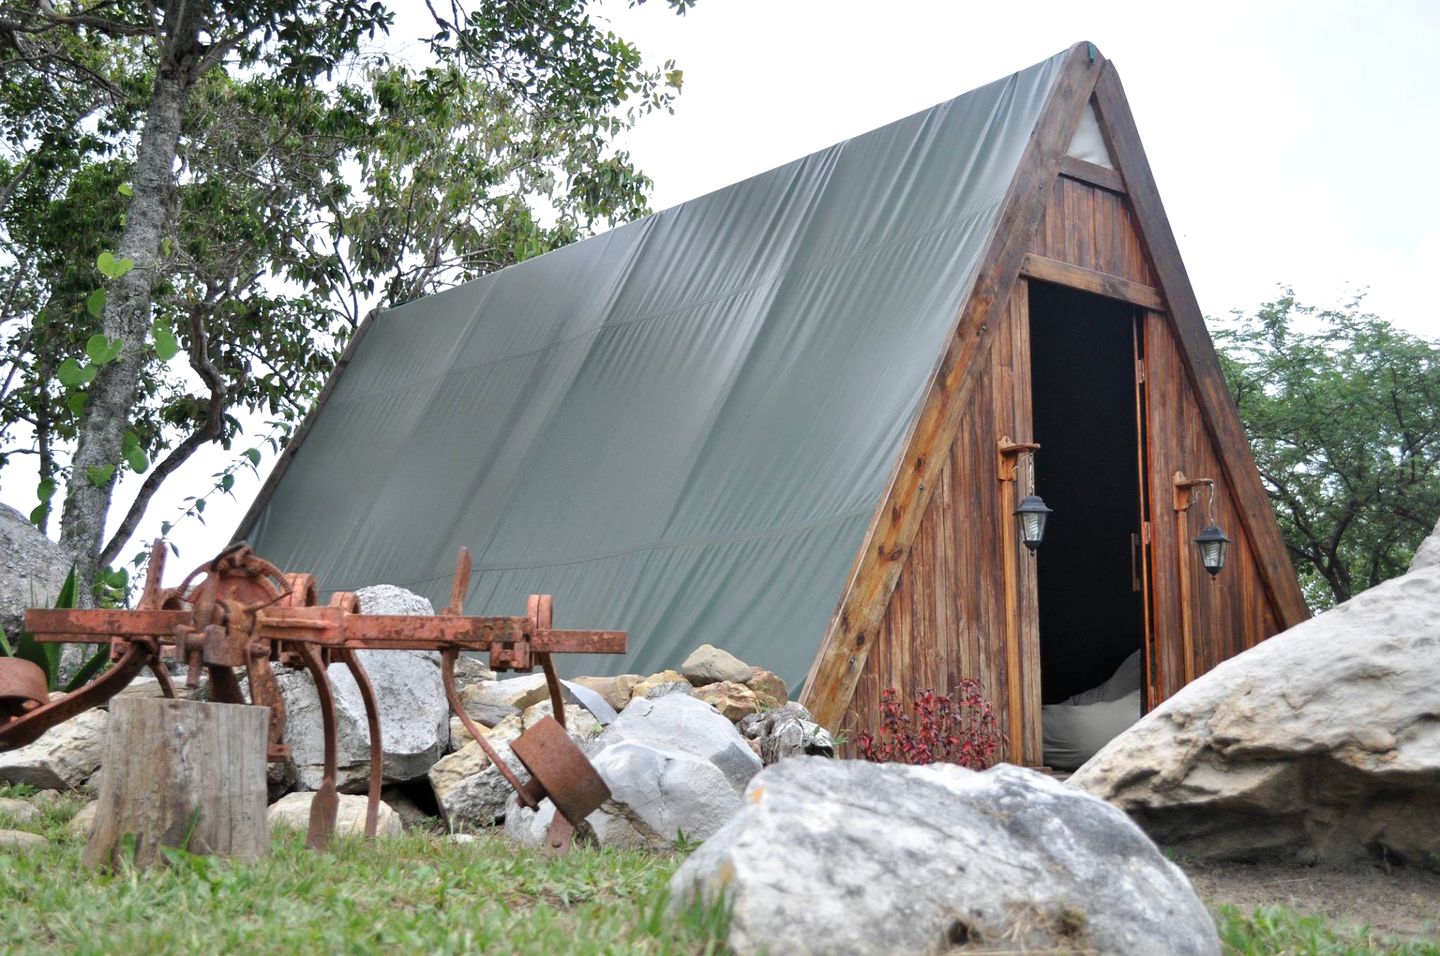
448	657
460	585
326	803
377	749
167	686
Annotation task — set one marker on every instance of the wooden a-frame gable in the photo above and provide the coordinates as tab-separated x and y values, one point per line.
934	593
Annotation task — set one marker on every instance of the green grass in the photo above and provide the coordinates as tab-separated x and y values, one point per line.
1276	931
412	895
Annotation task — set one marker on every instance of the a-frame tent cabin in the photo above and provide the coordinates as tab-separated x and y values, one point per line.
783	419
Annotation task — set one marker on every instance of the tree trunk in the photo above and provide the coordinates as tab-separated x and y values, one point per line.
128	298
180	773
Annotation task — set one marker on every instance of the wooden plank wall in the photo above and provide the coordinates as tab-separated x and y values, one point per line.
1232	611
1093	228
947	617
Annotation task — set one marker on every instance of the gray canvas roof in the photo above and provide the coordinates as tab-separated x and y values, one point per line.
681	427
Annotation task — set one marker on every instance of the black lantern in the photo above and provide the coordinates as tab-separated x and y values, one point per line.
1032	514
1214	548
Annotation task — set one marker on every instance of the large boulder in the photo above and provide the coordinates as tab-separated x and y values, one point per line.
675	768
64	758
409	692
32	569
1320	744
850	857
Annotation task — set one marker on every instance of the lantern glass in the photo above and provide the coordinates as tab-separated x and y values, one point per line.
1214	548
1032	514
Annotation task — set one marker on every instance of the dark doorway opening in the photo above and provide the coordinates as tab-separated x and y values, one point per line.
1091	609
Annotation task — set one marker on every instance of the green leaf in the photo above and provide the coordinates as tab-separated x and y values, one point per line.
137	461
89	669
113	268
5	644
46	489
125	190
227	481
166	345
99	475
102	350
253	454
70	374
95	303
38	513
76	401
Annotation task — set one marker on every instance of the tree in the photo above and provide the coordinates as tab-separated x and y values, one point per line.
1343	414
202	152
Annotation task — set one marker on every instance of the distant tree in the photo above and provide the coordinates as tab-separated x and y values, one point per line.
1343	414
232	184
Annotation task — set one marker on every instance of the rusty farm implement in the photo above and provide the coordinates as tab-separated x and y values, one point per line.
240	612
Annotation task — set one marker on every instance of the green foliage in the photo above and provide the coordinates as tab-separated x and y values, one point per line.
1343	414
417	893
1275	929
47	656
306	194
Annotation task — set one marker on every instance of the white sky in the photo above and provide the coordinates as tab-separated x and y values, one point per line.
1292	142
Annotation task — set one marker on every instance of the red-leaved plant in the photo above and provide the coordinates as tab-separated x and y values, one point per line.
946	729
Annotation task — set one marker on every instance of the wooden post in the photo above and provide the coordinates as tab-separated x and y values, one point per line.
181	773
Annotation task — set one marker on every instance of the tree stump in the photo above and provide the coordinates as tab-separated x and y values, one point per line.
180	773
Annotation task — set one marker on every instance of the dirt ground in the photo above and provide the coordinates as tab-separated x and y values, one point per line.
1395	901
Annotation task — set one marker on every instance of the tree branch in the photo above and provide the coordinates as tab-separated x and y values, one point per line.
209	431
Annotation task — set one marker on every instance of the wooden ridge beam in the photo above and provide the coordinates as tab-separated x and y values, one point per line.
1222	421
837	666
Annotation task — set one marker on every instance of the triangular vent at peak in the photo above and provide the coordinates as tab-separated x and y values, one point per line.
1088	143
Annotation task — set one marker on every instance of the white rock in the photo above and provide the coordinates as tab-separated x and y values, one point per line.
787	731
578	721
658	796
390	599
17	840
1428	554
470	790
414	719
21	810
680	722
292	812
519	692
675	767
32	569
832	856
708	664
1319	744
64	758
84	820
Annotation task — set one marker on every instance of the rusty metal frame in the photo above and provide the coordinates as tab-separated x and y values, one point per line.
240	611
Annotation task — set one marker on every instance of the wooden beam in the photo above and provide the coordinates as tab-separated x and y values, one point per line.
1093	174
837	666
1088	280
257	507
1221	418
